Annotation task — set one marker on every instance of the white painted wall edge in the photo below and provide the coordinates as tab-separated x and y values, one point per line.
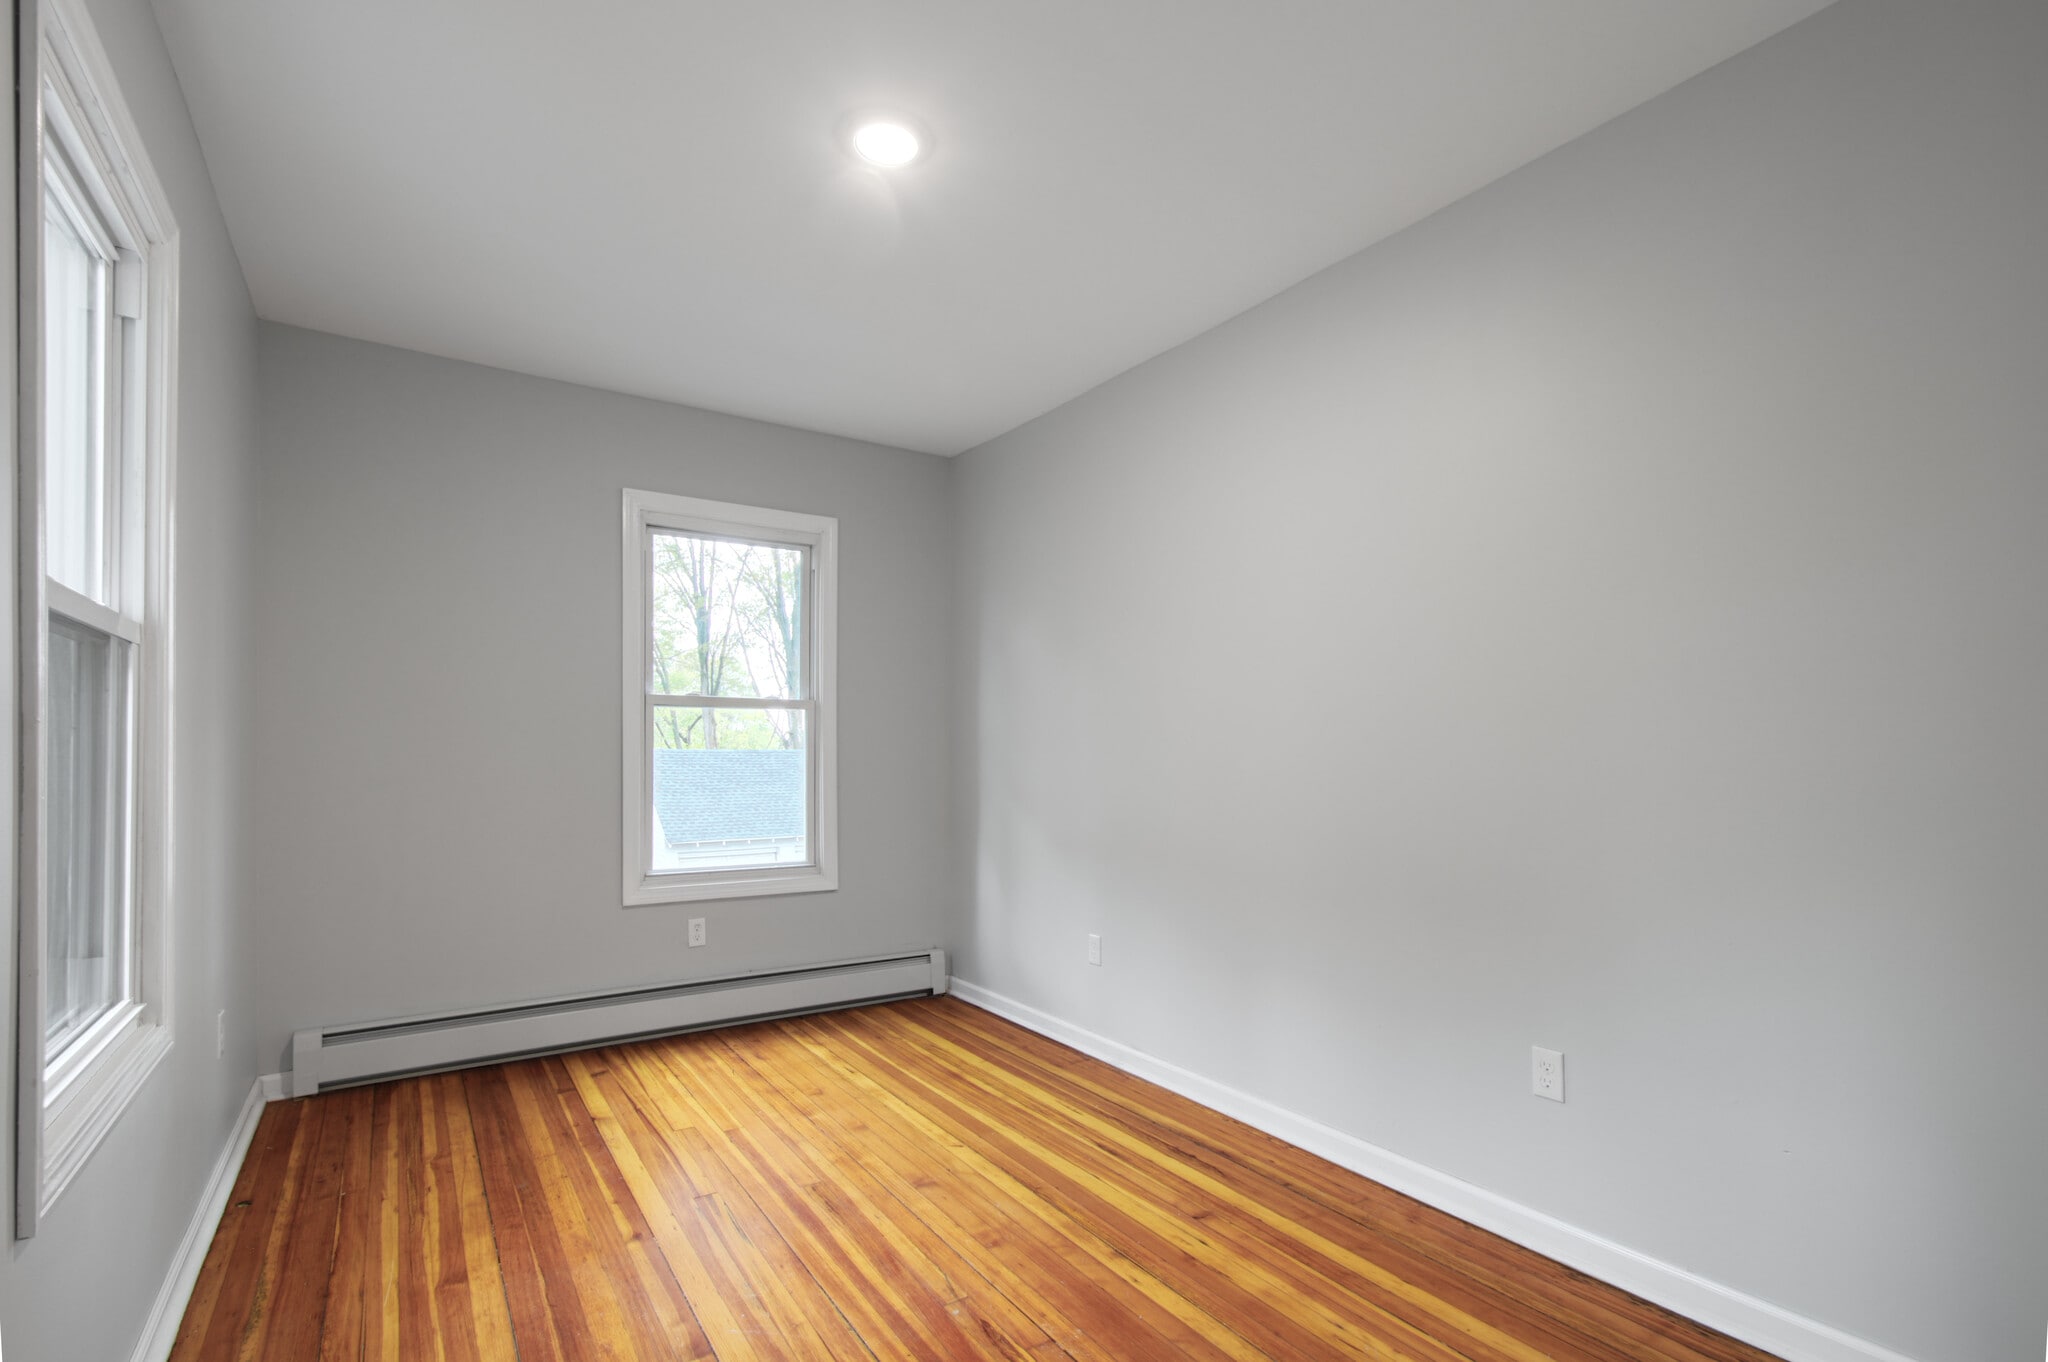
1770	1327
161	1330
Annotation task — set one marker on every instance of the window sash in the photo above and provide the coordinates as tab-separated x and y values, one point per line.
96	863
806	550
806	703
81	411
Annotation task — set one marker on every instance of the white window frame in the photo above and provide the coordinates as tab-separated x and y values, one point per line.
646	512
69	98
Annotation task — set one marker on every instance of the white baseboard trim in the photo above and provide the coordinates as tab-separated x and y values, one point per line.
1770	1327
169	1311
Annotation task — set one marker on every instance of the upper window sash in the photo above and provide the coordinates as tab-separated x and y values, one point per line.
788	692
82	184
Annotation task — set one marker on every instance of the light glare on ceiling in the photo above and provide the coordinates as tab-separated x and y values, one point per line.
887	142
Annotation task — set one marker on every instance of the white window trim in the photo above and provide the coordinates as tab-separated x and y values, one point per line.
647	510
63	1112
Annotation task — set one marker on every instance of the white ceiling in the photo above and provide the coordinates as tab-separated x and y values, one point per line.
646	195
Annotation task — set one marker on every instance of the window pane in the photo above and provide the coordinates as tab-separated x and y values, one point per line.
730	789
728	618
87	780
74	320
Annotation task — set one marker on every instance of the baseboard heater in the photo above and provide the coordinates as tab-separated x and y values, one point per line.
342	1055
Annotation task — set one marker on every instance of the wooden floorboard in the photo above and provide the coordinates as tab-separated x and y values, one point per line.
919	1180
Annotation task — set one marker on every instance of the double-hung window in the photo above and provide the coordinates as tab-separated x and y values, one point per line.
729	722
96	644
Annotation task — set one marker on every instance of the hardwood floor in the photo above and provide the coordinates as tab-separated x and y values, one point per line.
920	1180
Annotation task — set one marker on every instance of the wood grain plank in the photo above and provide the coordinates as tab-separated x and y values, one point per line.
443	1239
474	1245
547	1311
382	1339
519	1272
355	1220
223	1293
418	1324
299	1306
254	1326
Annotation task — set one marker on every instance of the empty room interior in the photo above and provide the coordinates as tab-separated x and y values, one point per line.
1096	679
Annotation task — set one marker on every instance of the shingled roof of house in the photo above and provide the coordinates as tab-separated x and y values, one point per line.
726	794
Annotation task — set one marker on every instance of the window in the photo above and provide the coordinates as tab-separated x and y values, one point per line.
96	632
729	786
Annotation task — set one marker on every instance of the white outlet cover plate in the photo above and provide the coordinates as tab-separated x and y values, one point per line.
1546	1073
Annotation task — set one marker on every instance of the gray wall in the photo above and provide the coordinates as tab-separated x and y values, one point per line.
437	707
80	1290
1611	616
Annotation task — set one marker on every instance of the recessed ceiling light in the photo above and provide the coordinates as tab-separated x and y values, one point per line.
887	142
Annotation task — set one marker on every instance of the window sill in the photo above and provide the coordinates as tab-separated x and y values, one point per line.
738	884
79	1117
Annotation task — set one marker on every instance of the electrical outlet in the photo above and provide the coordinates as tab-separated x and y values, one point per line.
220	1034
1546	1073
1094	948
696	931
